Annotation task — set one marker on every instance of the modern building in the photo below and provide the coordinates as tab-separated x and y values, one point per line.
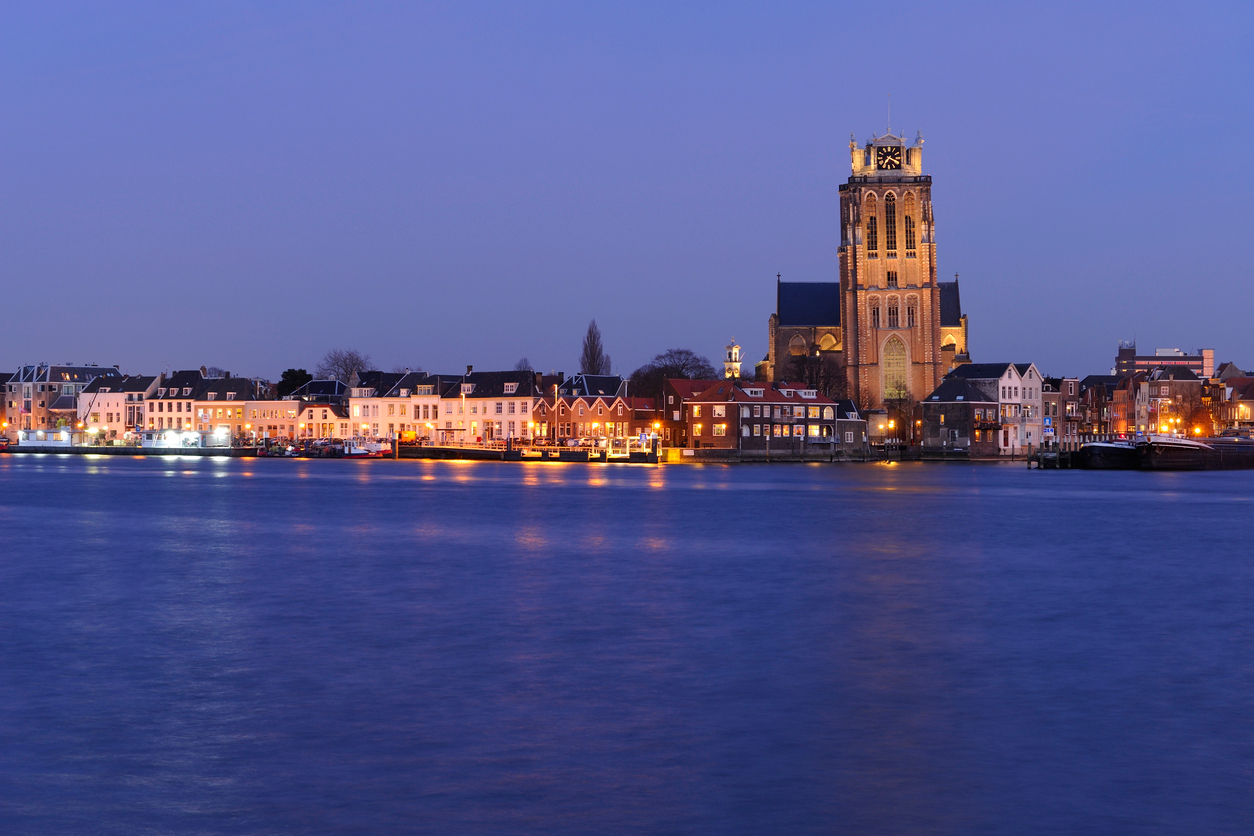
1127	361
45	397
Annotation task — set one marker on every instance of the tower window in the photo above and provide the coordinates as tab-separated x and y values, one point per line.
910	314
875	315
894	318
892	278
910	231
872	237
890	225
894	364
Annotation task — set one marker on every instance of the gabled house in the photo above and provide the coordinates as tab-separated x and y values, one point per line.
1017	388
959	417
45	397
112	409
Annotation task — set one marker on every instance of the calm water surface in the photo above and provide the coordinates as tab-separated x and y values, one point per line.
203	646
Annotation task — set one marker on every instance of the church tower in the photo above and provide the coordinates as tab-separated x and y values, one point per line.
890	298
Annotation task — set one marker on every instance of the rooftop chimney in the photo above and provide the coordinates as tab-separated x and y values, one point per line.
469	369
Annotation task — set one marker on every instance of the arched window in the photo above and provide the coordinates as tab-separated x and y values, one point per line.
875	313
910	236
827	343
893	362
872	237
894	315
890	224
949	341
912	304
797	345
828	413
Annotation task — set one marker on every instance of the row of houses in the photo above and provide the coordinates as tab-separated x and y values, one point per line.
193	408
1001	409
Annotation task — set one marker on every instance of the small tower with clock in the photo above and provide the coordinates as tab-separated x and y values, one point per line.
890	299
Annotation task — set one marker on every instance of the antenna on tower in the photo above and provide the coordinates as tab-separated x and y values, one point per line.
890	113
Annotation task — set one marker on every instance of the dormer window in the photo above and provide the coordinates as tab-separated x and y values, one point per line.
468	388
187	391
809	393
160	393
104	389
212	395
404	393
754	393
787	393
230	396
511	388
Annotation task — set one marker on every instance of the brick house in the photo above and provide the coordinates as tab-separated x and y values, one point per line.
959	417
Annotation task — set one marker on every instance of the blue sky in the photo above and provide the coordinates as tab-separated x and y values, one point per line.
436	185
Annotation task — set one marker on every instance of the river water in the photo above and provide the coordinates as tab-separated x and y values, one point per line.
259	646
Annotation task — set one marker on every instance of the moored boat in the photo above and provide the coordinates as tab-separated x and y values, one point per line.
1108	455
1164	452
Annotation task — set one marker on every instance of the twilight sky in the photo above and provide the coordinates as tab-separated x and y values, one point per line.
249	185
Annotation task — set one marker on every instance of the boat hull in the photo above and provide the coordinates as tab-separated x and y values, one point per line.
1215	454
1108	457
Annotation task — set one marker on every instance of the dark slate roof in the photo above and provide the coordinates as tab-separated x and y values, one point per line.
175	382
1110	381
407	383
950	304
592	385
807	304
380	382
64	402
129	383
954	389
847	410
1022	368
220	387
979	371
317	390
492	384
62	374
1173	373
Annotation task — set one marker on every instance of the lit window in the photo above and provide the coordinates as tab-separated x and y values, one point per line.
890	225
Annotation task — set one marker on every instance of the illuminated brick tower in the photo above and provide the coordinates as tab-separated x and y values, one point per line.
890	298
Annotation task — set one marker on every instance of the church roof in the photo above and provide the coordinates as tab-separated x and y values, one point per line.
950	304
808	304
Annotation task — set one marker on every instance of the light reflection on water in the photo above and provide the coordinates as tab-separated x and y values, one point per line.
441	647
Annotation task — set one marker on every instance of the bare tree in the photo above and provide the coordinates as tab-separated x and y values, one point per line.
523	365
341	364
647	380
822	373
593	360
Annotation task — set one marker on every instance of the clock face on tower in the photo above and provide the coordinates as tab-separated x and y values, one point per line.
888	157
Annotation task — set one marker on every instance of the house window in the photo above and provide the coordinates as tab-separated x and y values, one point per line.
757	429
720	429
720	411
696	429
696	410
500	407
813	412
849	438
